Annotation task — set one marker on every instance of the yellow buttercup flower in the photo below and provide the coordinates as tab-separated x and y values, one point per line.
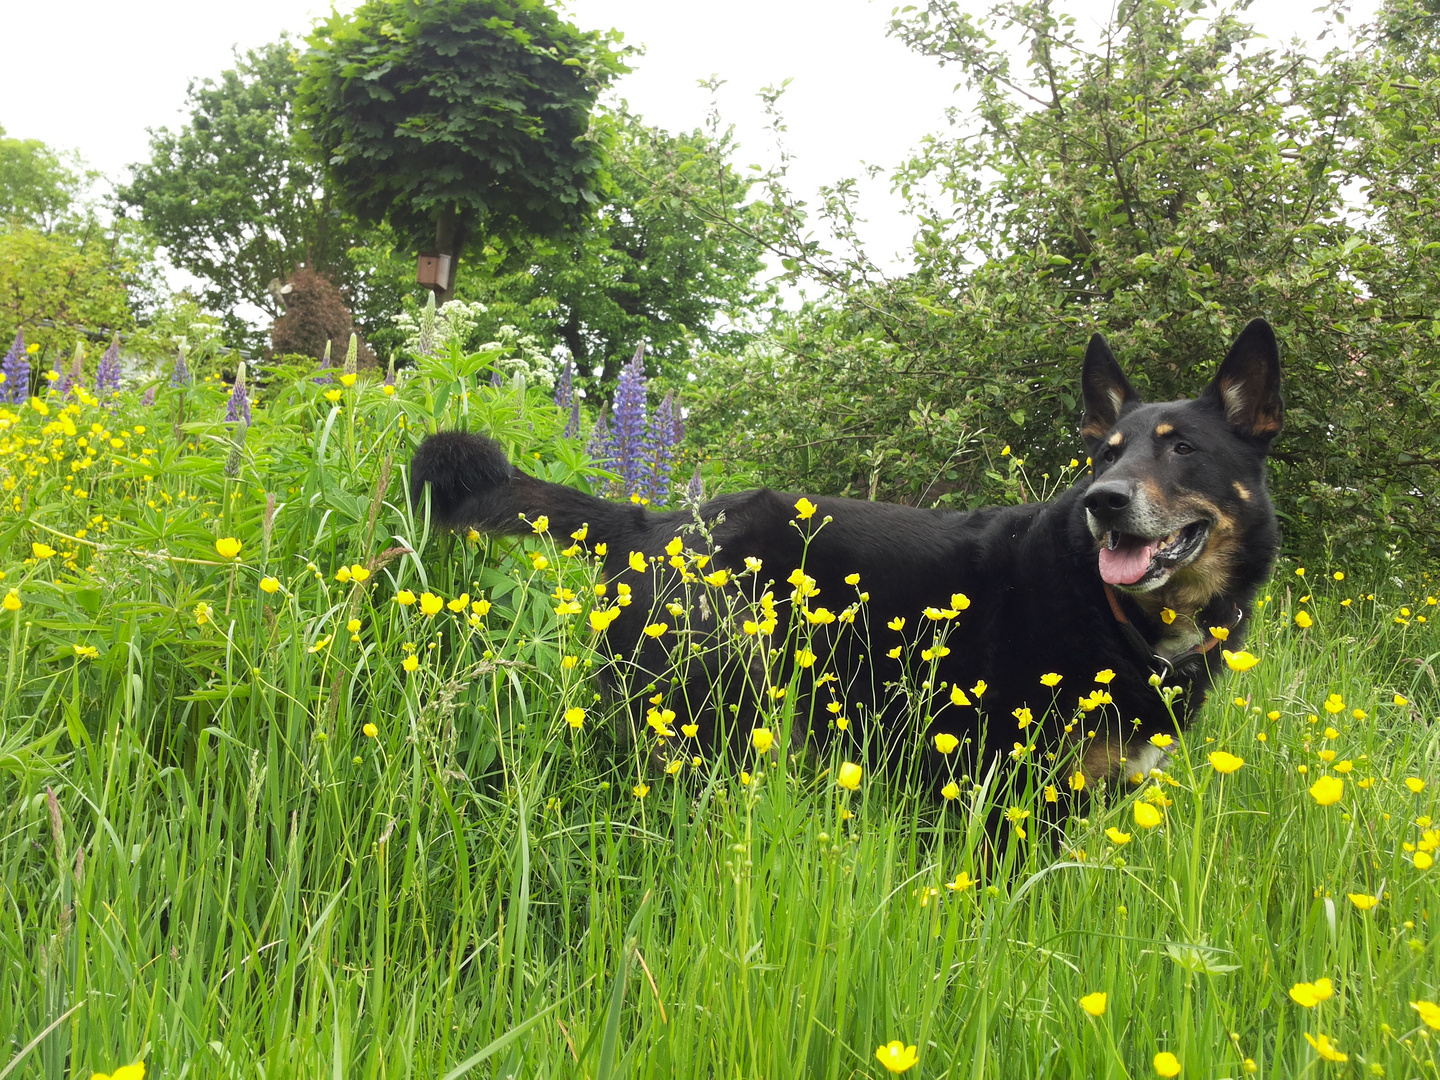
1415	784
717	579
805	658
405	597
269	585
637	562
1116	836
849	776
1334	704
1364	901
1303	620
1105	677
950	791
1325	1048
957	696
370	731
601	618
654	630
1225	763
1094	1004
1308	995
762	739
11	601
86	652
1327	790
1077	781
640	790
1147	815
42	551
125	1072
1239	661
805	509
575	717
430	604
852	579
962	882
1161	742
1220	633
1429	1013
1166	1064
410	663
1050	679
228	547
896	1056
946	743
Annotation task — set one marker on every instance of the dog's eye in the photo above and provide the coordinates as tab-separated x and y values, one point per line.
1109	455
1184	448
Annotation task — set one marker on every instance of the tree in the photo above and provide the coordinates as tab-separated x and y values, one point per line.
1163	185
457	119
642	268
230	197
38	187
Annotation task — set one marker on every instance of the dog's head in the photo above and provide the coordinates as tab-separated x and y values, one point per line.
1177	488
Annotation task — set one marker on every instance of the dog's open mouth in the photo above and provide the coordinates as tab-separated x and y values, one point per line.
1143	561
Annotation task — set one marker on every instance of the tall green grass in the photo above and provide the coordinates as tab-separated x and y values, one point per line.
209	865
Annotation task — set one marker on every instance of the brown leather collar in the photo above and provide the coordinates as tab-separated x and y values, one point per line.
1138	642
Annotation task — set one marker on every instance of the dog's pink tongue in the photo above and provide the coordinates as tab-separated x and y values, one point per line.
1125	564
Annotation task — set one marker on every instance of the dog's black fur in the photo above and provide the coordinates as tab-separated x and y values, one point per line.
1193	470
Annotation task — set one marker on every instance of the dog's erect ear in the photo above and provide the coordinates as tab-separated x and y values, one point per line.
1247	386
1106	391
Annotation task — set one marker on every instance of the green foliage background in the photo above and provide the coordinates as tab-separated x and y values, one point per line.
1163	187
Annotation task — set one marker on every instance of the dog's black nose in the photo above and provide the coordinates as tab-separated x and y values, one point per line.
1107	498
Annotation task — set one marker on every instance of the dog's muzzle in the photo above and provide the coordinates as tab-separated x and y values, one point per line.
1141	547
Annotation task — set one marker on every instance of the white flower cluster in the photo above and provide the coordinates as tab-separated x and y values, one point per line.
454	323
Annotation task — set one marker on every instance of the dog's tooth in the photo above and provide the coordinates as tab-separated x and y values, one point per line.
1113	540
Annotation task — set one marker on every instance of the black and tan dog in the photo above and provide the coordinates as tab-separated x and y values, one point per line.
1129	570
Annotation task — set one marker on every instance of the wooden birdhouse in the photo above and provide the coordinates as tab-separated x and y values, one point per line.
433	271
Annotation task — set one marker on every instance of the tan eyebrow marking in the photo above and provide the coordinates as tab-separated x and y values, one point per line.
1242	491
1164	429
1116	439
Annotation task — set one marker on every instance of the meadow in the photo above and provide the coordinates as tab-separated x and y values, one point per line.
293	786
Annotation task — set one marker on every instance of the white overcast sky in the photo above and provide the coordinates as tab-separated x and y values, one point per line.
92	76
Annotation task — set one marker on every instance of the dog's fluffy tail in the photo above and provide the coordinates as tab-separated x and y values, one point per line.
473	484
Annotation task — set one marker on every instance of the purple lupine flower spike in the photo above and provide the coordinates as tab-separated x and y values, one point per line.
695	491
659	451
180	376
496	380
390	372
238	408
149	398
16	368
428	345
601	446
630	430
565	388
325	376
71	375
572	426
107	375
